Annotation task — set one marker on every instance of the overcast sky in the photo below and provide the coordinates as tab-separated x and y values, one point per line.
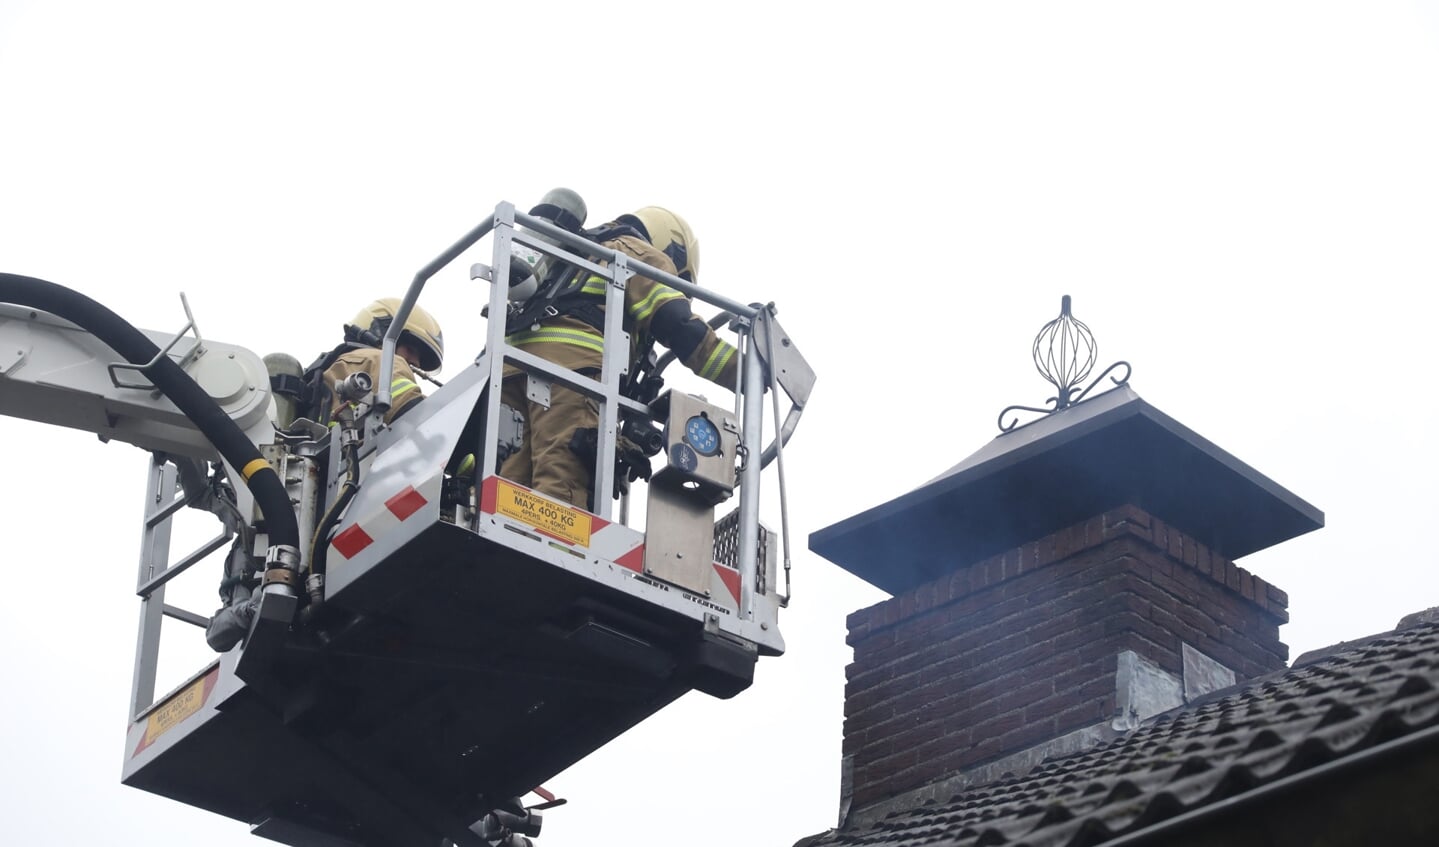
1240	196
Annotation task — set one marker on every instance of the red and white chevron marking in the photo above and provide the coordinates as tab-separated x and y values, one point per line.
607	540
399	507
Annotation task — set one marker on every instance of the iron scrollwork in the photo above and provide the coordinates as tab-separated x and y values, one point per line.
1064	353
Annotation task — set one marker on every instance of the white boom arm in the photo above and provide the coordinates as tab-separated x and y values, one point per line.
54	372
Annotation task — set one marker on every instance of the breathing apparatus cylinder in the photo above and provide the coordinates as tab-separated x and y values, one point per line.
285	365
526	266
564	208
529	268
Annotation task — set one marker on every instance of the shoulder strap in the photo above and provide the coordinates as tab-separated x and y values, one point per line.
558	294
322	364
542	303
310	395
611	231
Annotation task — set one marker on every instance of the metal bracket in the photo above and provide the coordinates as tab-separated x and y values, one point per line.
194	353
511	434
622	272
786	365
538	390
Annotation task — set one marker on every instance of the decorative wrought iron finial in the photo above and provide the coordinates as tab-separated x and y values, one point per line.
1064	353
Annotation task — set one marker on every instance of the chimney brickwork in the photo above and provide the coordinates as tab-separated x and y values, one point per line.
1022	648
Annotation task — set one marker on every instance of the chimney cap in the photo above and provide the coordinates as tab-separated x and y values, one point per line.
1072	465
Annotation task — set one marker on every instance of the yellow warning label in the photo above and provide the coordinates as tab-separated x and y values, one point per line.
542	513
177	708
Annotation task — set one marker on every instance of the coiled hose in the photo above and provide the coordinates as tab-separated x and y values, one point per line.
212	422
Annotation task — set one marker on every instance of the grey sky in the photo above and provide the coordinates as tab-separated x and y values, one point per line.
1239	196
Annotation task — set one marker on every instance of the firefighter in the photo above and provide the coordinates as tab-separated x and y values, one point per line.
552	459
421	345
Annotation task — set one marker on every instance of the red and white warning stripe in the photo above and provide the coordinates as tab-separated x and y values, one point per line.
398	508
604	539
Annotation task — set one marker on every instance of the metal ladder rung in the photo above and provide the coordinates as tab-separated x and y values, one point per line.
180	614
165	513
184	564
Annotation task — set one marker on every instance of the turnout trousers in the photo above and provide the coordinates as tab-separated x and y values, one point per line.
545	461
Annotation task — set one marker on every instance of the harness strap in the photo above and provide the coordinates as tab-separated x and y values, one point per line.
563	218
582	296
288	385
561	291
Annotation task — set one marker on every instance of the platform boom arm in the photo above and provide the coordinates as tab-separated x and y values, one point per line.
54	372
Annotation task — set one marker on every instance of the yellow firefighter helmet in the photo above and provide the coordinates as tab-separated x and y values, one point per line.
671	235
421	331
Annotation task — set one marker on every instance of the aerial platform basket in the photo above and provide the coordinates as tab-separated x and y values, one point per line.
475	637
477	666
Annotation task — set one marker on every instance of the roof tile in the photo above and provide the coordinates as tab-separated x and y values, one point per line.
1229	742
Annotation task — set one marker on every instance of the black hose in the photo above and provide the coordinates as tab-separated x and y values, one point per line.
207	416
319	542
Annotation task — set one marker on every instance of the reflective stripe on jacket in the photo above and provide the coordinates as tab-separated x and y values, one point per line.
570	342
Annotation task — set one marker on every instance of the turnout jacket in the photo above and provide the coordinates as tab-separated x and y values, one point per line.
651	309
404	391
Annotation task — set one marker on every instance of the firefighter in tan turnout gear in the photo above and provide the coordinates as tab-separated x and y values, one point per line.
421	345
549	460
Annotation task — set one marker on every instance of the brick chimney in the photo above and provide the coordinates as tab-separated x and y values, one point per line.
1070	579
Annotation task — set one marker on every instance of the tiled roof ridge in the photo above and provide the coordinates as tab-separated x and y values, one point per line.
1277	726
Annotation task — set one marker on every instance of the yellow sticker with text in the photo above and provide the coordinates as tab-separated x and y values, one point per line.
548	516
184	704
